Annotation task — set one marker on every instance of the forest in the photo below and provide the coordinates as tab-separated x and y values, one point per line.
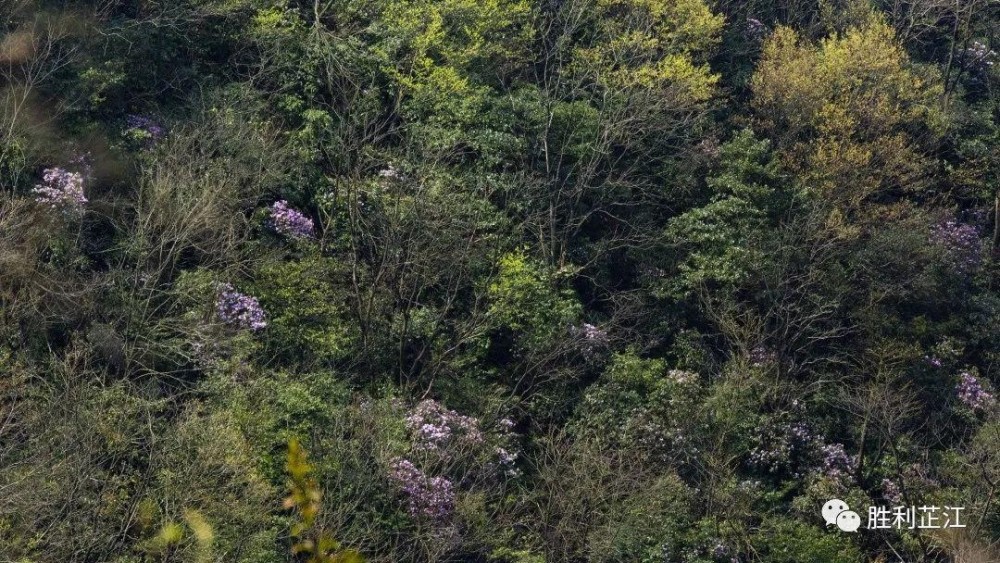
499	281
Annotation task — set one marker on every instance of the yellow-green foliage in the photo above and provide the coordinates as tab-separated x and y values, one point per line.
307	316
173	534
652	44
436	43
208	468
851	112
524	298
442	54
316	545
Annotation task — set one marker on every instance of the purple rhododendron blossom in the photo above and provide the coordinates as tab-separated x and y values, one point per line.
289	221
755	29
979	57
61	189
891	492
960	240
146	128
433	426
761	355
432	497
592	337
836	462
971	392
780	446
239	310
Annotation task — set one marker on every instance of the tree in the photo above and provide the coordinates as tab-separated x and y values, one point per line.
852	117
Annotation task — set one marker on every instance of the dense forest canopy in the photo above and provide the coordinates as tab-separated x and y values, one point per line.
499	281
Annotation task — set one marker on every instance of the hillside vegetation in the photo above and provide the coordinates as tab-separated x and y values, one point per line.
498	281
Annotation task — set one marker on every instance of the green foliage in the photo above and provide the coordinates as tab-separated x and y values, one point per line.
314	545
590	280
525	298
307	311
784	540
720	243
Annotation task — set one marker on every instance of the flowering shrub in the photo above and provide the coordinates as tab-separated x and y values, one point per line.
971	392
755	30
433	428
239	310
836	462
979	57
592	339
784	446
61	189
390	172
288	221
891	492
447	453
432	497
961	241
761	355
145	130
459	444
507	460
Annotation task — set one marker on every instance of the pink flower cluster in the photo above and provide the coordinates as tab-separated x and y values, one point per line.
971	392
61	189
432	497
237	309
433	427
289	221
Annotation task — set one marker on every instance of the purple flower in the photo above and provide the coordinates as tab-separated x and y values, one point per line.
84	164
61	189
592	338
971	392
761	355
933	361
145	129
289	222
239	310
507	460
783	446
960	240
756	30
433	427
978	57
432	497
891	492
836	462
